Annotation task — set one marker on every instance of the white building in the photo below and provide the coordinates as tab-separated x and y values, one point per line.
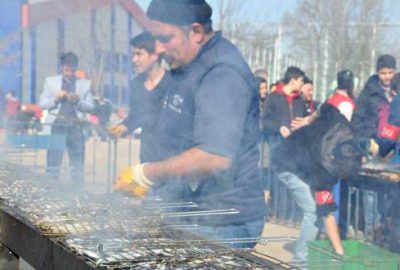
97	31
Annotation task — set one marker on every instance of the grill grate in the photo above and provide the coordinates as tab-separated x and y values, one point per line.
118	232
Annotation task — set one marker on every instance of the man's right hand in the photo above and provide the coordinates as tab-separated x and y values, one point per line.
61	95
133	180
118	130
284	131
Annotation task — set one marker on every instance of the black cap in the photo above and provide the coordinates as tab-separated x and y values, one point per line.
345	80
180	12
386	61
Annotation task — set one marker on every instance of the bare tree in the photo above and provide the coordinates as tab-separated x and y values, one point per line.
227	10
336	34
5	43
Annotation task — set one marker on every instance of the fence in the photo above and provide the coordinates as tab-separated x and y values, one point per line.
28	144
360	212
366	204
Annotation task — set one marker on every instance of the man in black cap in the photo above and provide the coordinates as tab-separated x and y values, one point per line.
208	129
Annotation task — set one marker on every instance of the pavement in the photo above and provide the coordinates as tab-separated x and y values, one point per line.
281	249
8	261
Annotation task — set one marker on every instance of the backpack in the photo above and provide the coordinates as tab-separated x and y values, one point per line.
340	151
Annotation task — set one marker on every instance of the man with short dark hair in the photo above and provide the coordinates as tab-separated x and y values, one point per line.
285	105
67	99
207	134
377	93
307	92
373	106
147	93
320	154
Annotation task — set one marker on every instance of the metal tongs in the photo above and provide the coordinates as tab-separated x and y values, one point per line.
231	211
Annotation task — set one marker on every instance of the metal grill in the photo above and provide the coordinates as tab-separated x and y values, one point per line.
113	231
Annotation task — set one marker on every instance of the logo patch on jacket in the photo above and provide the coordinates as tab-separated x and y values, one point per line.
176	103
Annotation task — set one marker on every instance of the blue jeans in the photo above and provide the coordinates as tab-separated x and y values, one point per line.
301	193
371	213
251	229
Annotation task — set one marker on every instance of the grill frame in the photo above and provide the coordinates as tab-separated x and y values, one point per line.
39	251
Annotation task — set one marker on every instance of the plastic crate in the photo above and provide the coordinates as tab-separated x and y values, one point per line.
358	256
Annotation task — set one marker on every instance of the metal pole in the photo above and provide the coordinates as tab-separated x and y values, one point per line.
112	53
373	49
95	63
357	210
279	60
130	151
129	61
21	48
315	77
250	56
94	159
32	64
257	60
60	41
115	159
108	165
278	56
348	221
270	67
264	60
325	68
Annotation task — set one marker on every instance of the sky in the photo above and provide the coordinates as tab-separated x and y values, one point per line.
254	11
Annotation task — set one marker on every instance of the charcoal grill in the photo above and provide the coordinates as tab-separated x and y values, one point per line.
52	231
383	171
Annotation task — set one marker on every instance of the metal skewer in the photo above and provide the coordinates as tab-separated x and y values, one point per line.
170	205
259	240
231	211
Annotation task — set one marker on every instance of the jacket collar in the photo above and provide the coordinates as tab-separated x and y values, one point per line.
205	48
289	97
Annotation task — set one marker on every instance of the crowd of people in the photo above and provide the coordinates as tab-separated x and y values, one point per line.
199	109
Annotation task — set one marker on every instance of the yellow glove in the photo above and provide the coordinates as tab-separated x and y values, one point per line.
373	148
133	180
118	130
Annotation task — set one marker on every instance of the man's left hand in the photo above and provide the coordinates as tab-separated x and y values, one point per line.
299	122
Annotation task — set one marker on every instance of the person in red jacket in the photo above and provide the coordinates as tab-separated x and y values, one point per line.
284	105
342	98
13	105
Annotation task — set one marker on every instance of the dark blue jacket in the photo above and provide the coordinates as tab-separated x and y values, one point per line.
366	116
196	114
